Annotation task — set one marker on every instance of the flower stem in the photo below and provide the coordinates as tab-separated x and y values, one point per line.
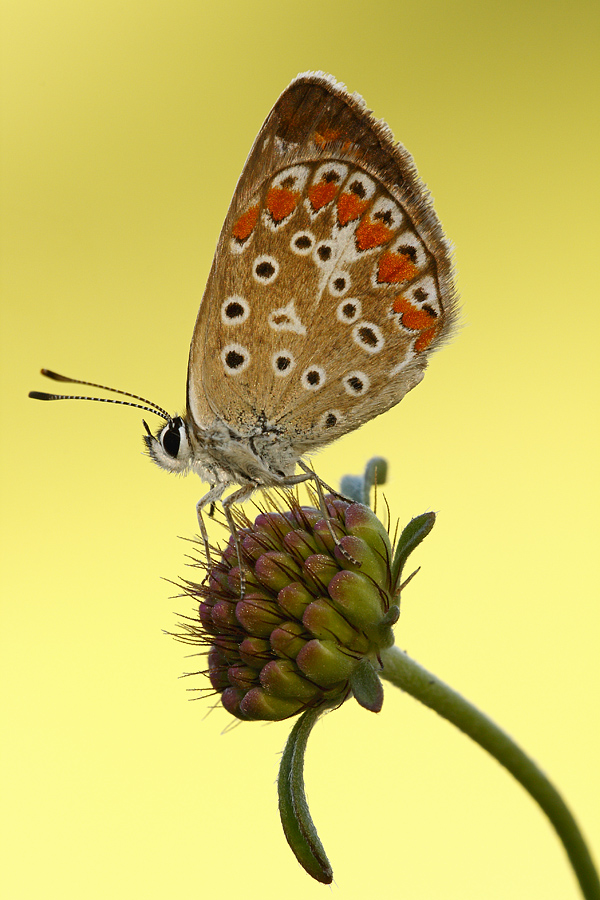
412	678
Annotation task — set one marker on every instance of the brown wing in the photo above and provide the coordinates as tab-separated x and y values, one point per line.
332	280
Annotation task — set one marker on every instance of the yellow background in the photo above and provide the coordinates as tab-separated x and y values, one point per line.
126	125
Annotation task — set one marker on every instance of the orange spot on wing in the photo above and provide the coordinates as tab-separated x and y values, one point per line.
425	339
244	226
412	317
395	267
350	207
321	194
326	136
281	202
371	234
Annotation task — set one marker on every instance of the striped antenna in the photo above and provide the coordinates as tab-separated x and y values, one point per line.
149	407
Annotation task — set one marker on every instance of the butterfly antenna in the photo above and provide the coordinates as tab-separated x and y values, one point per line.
149	407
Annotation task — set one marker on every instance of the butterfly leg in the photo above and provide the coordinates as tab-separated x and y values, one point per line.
209	499
312	475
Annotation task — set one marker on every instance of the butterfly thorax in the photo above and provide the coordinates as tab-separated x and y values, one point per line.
219	454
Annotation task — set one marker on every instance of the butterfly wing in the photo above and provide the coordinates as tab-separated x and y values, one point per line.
332	280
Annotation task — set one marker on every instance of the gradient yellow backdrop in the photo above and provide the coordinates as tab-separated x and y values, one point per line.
126	125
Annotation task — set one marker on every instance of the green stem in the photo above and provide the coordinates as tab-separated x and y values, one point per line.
408	675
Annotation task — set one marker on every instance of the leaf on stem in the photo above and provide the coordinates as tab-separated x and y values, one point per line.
416	530
298	826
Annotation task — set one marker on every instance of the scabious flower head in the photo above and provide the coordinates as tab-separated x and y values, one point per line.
303	625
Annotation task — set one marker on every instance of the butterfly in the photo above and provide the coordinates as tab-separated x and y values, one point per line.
331	285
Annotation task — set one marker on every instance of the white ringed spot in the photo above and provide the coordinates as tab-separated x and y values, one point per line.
330	171
294	178
313	378
234	310
424	292
265	269
302	243
286	319
368	336
388	212
349	311
356	384
330	419
323	255
339	284
409	244
235	358
359	184
282	363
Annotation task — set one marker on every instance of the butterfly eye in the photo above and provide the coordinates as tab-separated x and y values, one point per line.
171	438
170	448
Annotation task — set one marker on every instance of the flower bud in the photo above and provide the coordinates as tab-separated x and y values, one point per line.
274	570
324	622
294	598
243	677
320	569
258	615
288	639
255	652
363	523
301	544
367	562
258	704
304	622
358	598
325	662
282	678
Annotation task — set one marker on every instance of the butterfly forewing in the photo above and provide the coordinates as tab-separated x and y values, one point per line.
332	279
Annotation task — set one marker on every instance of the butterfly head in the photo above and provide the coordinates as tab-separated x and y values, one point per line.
170	447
